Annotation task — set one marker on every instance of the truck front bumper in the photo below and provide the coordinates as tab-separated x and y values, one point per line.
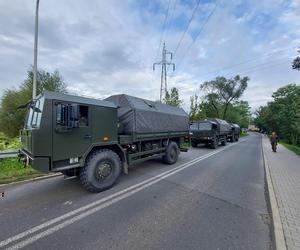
39	163
202	139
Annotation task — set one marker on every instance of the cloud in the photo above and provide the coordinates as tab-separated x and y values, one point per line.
108	47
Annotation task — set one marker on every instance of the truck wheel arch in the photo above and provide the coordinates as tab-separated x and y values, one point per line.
114	147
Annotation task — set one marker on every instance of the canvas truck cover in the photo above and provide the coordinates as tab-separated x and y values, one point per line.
138	115
223	126
235	127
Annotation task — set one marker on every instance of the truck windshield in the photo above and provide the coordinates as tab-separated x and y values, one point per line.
35	114
194	126
204	126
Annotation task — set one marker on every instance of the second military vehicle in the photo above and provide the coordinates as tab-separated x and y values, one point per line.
210	131
234	134
96	139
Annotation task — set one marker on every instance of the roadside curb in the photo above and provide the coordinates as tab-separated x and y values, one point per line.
30	180
280	243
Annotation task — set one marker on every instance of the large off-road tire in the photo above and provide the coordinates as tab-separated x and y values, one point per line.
224	142
194	144
101	170
237	138
233	138
214	144
172	153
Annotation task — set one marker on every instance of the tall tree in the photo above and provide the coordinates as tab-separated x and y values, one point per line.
193	107
221	92
12	118
282	114
239	112
173	98
296	62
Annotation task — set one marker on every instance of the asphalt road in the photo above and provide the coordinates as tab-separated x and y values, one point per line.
211	199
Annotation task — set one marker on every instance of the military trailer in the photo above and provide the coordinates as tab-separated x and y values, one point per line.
210	131
97	139
234	134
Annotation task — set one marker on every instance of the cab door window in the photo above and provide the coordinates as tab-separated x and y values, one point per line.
71	115
83	116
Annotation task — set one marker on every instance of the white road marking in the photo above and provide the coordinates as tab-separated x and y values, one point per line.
98	205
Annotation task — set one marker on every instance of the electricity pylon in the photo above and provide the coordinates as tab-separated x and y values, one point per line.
163	78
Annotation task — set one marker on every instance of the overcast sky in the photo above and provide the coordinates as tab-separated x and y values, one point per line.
105	47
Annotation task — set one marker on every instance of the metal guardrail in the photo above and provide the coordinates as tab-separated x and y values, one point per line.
9	153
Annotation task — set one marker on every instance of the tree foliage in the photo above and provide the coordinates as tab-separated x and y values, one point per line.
282	115
237	112
296	62
221	92
173	98
221	99
12	118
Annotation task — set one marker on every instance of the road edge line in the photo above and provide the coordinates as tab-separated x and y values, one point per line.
280	242
30	180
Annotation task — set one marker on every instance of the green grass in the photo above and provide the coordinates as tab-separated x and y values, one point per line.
185	145
243	134
9	143
11	170
294	148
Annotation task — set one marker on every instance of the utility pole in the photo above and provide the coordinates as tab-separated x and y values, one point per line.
34	87
163	77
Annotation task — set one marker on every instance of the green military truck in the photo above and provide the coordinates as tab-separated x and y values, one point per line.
97	139
210	131
234	134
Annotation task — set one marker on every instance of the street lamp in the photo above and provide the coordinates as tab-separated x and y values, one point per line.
35	49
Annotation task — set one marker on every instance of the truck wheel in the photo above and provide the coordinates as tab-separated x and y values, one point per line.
101	170
237	138
194	144
172	152
233	139
214	143
224	142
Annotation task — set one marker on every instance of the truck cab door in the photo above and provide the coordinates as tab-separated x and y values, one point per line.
72	133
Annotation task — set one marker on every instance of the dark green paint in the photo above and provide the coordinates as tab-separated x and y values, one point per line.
51	146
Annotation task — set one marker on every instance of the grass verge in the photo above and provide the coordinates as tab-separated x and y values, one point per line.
243	134
9	143
11	170
294	148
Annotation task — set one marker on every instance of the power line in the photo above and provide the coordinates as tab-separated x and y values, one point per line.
247	61
187	27
250	69
254	68
264	66
201	29
161	37
172	15
163	29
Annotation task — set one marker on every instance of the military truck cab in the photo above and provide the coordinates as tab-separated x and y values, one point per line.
234	134
59	130
210	131
81	137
